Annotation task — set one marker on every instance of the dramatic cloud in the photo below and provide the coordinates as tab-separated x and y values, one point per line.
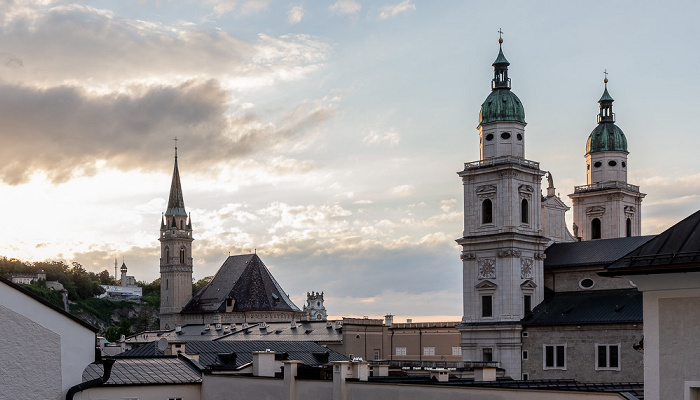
345	7
65	131
389	11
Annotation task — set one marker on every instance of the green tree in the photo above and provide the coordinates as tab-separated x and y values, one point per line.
201	283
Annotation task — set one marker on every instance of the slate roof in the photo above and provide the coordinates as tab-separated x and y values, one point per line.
677	249
147	350
588	307
215	354
591	252
147	371
176	203
247	280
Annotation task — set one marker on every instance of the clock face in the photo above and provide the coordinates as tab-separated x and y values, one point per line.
319	316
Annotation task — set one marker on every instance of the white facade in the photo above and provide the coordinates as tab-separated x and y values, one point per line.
42	352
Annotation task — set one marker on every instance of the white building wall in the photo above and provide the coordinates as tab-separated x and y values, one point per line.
144	392
71	342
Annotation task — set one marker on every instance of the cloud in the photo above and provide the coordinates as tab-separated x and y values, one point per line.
389	11
254	6
345	7
295	14
403	190
64	131
391	137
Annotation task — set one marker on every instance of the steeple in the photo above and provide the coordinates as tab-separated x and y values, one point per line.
606	114
500	68
176	203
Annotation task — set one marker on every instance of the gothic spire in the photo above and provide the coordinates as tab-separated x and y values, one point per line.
176	203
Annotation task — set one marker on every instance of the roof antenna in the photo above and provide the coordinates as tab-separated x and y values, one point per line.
256	251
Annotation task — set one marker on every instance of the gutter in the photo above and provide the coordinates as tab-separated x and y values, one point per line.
108	363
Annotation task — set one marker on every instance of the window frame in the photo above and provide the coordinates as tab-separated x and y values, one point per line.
555	357
483	305
607	347
400	351
487	210
484	352
428	351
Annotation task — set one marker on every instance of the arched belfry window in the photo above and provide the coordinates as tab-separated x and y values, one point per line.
629	227
595	228
487	212
167	255
182	255
524	215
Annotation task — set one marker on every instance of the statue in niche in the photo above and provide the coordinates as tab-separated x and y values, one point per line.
575	230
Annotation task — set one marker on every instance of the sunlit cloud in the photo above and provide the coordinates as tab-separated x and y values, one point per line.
295	14
393	10
390	137
345	7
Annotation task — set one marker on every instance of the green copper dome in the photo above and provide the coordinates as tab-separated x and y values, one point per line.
502	105
606	137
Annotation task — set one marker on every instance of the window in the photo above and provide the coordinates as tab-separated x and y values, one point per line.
526	377
167	255
554	356
456	351
525	355
505	135
612	163
182	255
428	351
586	283
489	137
524	217
400	351
486	212
595	228
487	354
527	304
607	357
486	306
376	354
629	227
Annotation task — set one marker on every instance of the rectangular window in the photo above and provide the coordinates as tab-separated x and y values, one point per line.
400	351
525	354
376	354
486	306
428	351
554	356
607	357
525	377
487	354
527	304
456	351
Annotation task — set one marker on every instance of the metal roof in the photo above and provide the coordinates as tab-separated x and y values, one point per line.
677	249
246	280
147	371
588	307
591	252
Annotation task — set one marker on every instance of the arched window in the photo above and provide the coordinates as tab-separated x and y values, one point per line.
182	255
486	212
167	255
524	217
629	227
595	228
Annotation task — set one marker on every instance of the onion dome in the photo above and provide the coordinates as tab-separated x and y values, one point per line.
502	104
606	136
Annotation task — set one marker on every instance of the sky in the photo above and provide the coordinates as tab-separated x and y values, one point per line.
325	135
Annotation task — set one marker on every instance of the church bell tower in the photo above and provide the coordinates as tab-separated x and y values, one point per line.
502	243
607	206
175	256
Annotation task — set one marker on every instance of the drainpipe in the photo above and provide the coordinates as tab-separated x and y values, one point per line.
108	362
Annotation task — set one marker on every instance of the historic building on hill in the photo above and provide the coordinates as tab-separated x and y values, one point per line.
242	291
533	302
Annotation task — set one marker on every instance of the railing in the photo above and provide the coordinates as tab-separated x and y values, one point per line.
502	160
413	364
606	185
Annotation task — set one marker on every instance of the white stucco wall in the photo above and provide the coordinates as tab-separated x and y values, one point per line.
144	392
71	346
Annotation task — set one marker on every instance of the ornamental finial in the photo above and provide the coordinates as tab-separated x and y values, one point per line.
500	36
175	146
606	78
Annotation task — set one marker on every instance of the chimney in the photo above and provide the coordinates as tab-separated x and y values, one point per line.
388	320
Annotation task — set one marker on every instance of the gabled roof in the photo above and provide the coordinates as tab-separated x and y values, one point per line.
677	249
588	307
147	371
591	252
245	279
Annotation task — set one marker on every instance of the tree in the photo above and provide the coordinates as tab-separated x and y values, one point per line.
201	283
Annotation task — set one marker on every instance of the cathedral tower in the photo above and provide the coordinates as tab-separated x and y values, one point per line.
503	245
175	256
607	206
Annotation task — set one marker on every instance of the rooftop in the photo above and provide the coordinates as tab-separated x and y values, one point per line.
588	307
591	252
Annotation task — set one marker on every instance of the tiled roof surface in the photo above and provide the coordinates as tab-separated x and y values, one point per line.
147	350
309	353
246	279
146	371
591	252
588	307
677	249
